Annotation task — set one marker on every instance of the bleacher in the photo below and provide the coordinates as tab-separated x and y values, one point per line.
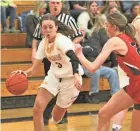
15	56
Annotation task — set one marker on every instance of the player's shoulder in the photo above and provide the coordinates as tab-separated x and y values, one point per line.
114	42
61	37
42	42
115	39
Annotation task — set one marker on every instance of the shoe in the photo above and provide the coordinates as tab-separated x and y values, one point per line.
63	121
13	30
46	122
94	98
116	129
87	99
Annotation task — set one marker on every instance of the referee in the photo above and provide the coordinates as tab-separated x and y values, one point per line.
55	8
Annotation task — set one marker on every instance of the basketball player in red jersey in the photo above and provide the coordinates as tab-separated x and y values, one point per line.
123	44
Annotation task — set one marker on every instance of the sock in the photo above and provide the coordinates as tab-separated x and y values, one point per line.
55	122
115	126
90	93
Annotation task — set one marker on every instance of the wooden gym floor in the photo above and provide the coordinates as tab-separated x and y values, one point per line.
86	121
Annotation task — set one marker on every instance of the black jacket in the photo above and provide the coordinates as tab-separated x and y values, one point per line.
31	22
96	43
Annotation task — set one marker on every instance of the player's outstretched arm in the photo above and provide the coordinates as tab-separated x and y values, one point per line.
93	66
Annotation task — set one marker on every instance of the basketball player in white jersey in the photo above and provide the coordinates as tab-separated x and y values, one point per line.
64	77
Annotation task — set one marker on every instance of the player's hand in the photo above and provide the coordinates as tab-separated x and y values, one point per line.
77	81
78	50
19	72
83	31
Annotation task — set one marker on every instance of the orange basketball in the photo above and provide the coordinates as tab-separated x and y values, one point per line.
17	84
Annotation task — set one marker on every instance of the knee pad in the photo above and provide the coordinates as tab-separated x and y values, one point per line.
137	106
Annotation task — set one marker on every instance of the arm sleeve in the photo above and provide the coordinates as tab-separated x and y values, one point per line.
74	61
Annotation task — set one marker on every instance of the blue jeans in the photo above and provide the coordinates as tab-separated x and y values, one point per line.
5	12
105	72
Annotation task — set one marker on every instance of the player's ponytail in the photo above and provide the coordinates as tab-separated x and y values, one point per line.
130	30
64	29
121	22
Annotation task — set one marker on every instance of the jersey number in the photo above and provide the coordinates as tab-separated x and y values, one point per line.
137	47
59	65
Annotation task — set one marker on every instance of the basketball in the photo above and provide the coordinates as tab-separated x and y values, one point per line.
17	84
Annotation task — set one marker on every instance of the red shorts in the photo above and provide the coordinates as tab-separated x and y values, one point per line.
133	90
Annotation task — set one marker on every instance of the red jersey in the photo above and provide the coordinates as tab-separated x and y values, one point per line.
130	63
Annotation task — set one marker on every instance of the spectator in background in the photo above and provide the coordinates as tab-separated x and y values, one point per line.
96	41
133	12
86	19
127	8
33	19
136	24
113	9
109	5
8	8
76	8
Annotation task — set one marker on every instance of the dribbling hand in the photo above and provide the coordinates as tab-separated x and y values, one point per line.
19	72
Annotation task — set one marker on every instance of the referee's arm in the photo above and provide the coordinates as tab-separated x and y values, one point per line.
77	37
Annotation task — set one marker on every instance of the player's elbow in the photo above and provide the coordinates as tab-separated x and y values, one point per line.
91	69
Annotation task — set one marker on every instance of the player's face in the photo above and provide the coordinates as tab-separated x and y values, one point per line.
49	29
55	7
110	29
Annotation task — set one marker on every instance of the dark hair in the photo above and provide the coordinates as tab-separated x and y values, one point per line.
133	6
121	22
62	28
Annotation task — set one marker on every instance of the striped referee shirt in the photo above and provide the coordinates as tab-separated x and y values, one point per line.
65	19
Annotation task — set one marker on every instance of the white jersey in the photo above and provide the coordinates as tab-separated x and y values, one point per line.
60	63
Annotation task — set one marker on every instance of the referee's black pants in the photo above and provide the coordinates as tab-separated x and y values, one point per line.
48	110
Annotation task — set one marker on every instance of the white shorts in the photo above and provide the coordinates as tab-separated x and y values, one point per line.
65	90
123	78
